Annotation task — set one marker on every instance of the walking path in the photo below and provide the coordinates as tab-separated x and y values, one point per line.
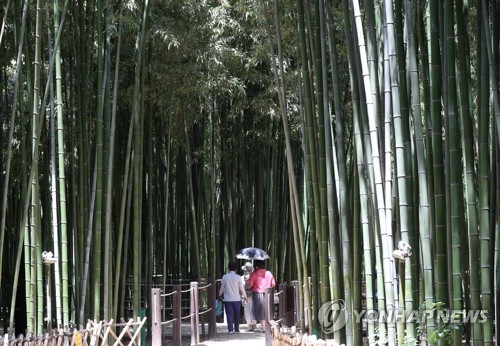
243	338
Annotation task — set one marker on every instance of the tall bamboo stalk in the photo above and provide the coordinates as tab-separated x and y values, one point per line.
138	161
35	228
365	226
311	159
61	177
294	199
26	202
194	227
99	152
424	212
107	298
54	209
483	250
5	191
379	193
453	153
496	265
439	227
326	189
109	182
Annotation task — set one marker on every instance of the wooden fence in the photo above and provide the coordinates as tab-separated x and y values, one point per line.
95	334
158	302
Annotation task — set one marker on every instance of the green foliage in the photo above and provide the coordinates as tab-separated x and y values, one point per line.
442	335
410	341
443	331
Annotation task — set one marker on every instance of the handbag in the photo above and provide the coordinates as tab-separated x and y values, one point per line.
219	304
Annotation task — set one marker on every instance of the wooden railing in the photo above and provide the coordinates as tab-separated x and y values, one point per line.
158	300
280	309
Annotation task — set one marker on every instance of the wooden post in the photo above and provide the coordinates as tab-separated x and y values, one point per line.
94	340
177	314
194	312
212	314
282	306
296	305
268	308
290	304
156	330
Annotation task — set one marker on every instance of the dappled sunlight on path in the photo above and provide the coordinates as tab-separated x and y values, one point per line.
243	338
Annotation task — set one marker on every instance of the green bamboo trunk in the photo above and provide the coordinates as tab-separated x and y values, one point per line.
30	248
379	202
439	222
326	191
366	231
402	163
299	245
61	176
423	189
486	237
53	202
496	282
452	167
311	157
109	182
194	228
138	162
97	260
83	145
17	76
37	302
357	264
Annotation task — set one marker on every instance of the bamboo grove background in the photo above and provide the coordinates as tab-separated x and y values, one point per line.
149	138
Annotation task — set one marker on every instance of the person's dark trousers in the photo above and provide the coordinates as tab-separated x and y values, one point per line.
233	315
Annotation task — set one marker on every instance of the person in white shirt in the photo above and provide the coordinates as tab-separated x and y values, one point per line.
233	291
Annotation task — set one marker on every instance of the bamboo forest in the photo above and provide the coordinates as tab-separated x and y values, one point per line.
356	141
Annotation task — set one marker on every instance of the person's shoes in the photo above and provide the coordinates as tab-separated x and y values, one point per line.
251	327
231	332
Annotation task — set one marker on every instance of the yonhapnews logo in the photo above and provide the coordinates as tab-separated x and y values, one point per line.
333	316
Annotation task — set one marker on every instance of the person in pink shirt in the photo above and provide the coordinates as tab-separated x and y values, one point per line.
259	280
